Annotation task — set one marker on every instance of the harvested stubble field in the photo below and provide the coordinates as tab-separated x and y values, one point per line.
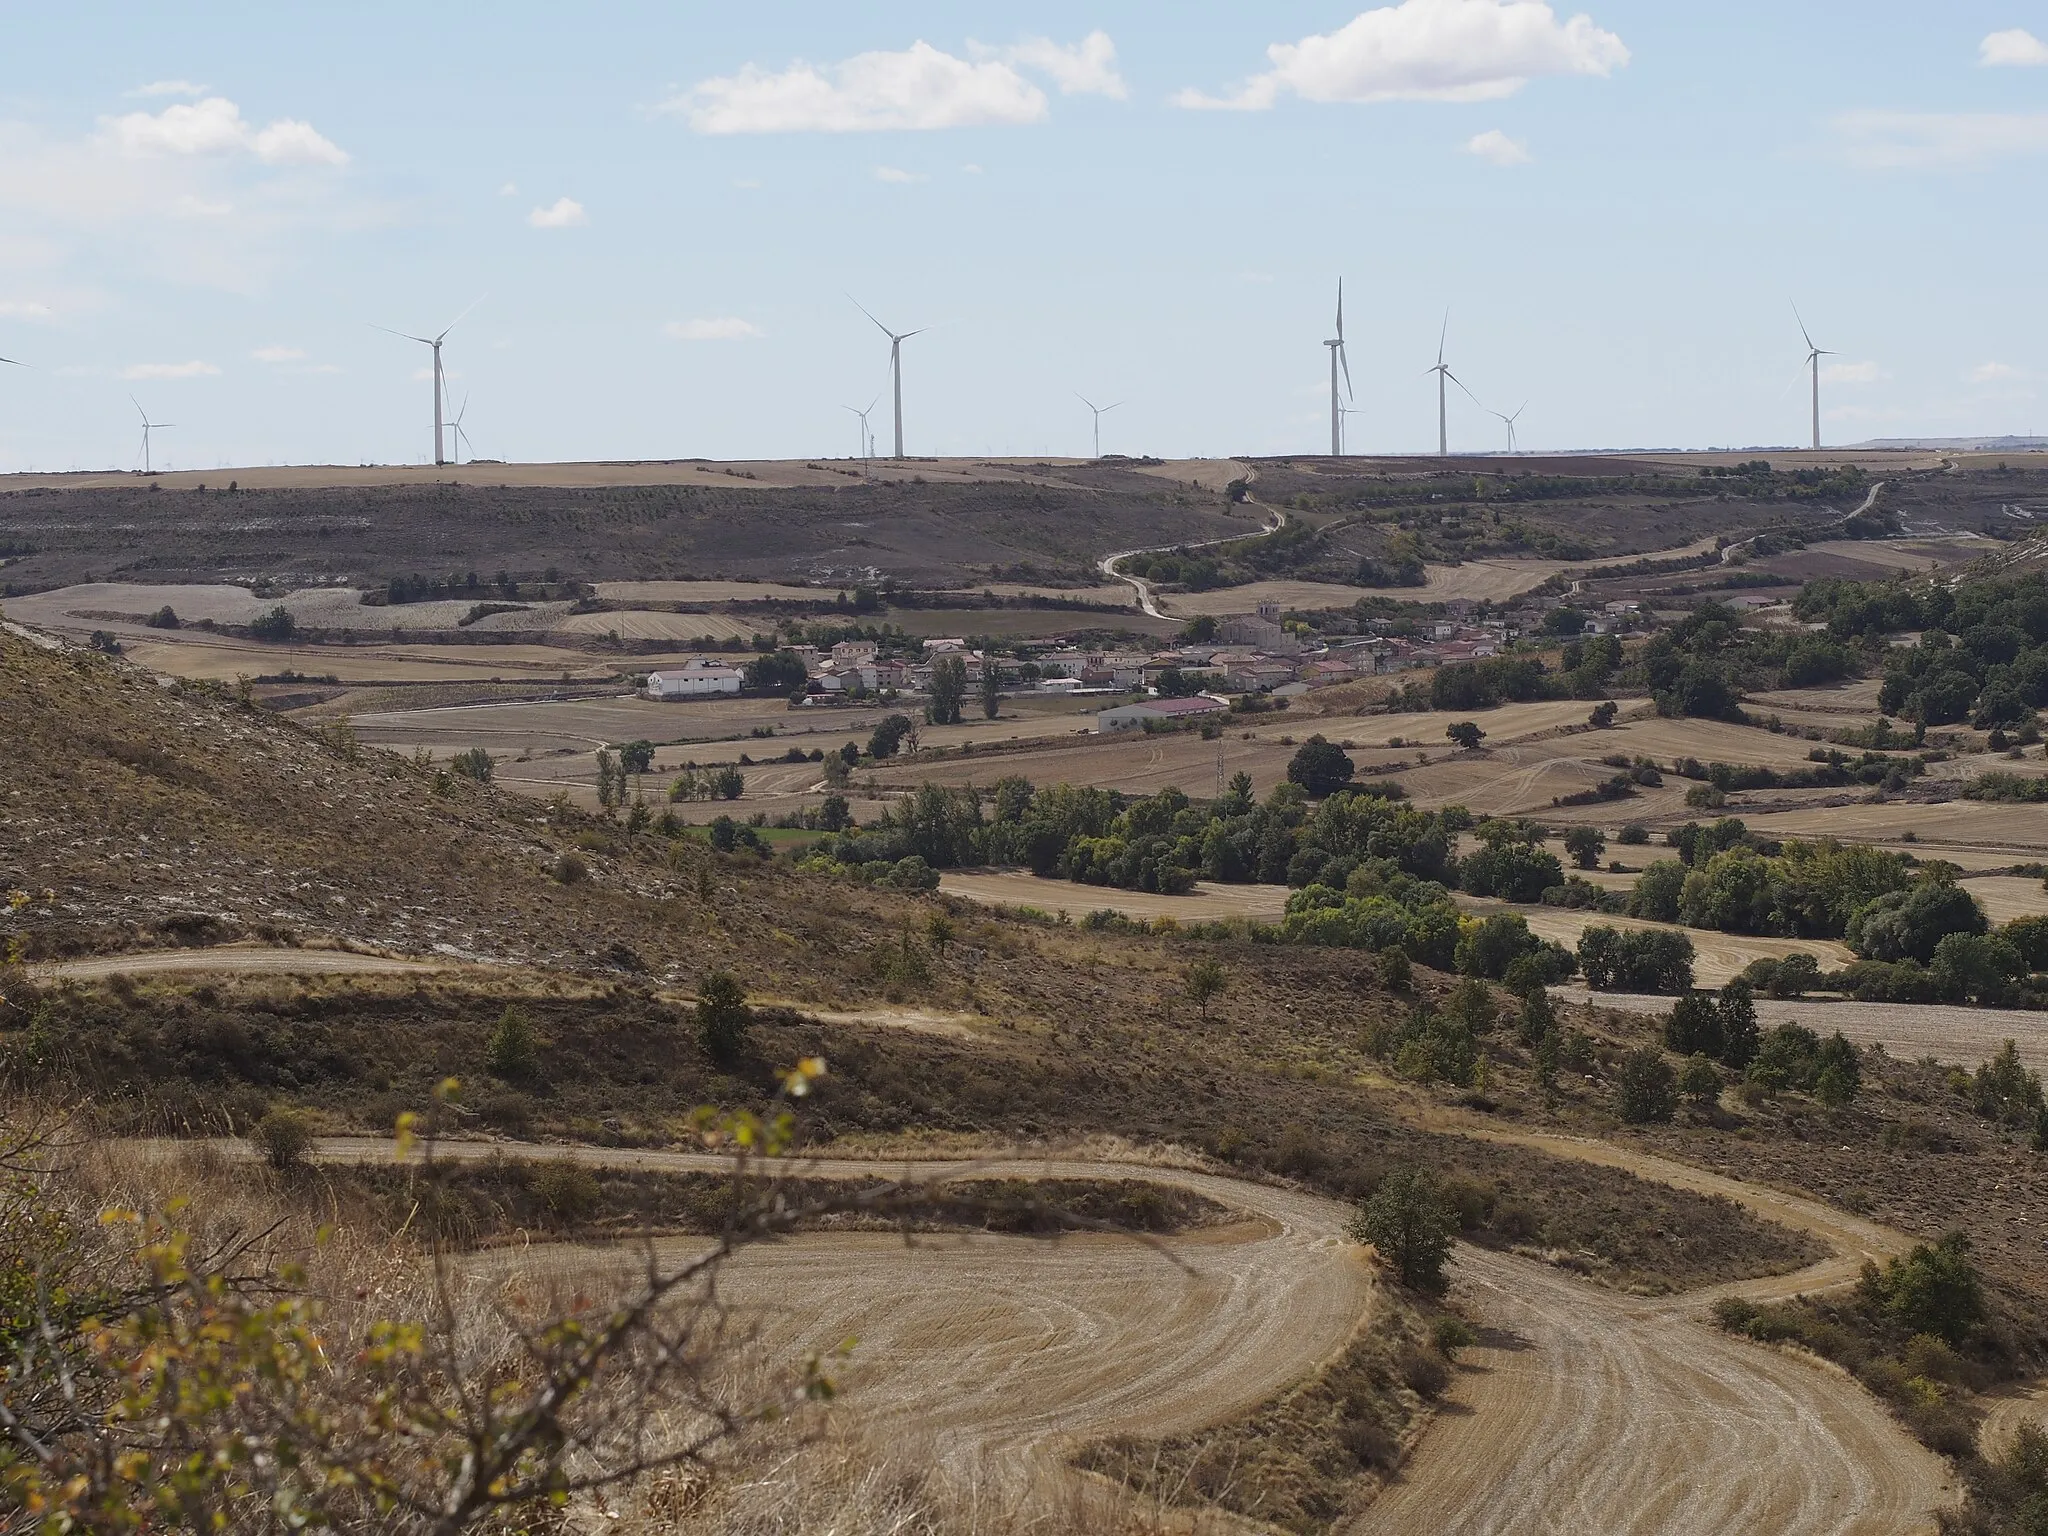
1205	903
1958	1036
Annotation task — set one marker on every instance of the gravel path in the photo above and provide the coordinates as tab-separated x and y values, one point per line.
235	961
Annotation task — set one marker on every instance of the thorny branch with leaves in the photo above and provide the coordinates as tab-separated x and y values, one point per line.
153	1383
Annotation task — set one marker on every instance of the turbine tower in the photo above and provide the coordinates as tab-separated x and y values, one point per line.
1100	412
434	342
1338	356
1344	445
1442	370
148	427
1813	356
1509	421
895	366
455	427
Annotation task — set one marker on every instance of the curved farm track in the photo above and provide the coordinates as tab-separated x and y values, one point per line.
1581	1409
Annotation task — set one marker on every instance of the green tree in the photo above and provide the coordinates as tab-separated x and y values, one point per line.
1700	1081
285	1136
1645	1089
1320	767
1603	714
723	1017
1494	943
2004	1090
473	764
948	690
888	736
1465	735
1411	1225
513	1052
1931	1290
773	675
636	757
277	624
1585	845
1204	983
1694	1026
1739	1035
991	688
1539	1019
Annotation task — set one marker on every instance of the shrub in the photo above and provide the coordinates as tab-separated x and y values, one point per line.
1585	845
723	1017
514	1049
1636	960
277	624
1204	983
1634	835
1645	1089
1452	1334
284	1136
1396	970
1700	1081
1932	1290
568	869
1411	1225
473	764
2004	1090
1465	735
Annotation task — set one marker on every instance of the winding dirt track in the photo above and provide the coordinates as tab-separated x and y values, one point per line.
233	960
1581	1410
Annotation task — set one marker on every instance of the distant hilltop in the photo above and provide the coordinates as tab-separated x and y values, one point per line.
1962	444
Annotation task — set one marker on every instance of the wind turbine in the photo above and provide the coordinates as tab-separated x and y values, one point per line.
1509	421
148	427
867	441
1813	356
895	366
434	342
455	426
1339	356
1100	412
1344	441
1442	370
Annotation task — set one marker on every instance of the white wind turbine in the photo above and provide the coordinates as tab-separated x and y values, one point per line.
1509	421
895	366
1813	356
1442	370
867	442
1338	356
1099	411
148	427
1343	442
440	397
461	437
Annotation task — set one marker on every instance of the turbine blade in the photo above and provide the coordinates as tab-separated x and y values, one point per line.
1344	357
1108	408
1442	337
139	410
12	362
1340	309
1802	326
1468	393
856	303
403	335
461	317
1085	400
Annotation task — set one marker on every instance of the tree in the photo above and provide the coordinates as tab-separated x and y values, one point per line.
473	764
728	783
1204	983
834	814
1634	835
888	736
1538	1020
514	1049
780	672
1320	767
1465	735
1494	943
278	624
1700	1081
1603	714
1931	1290
2004	1090
949	688
285	1137
636	757
991	688
1585	845
1740	1039
1910	924
1637	960
1694	1026
1658	890
1645	1088
723	1017
1411	1225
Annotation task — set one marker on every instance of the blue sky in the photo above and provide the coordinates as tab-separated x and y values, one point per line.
664	207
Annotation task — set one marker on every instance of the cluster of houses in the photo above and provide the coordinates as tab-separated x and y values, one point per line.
1253	653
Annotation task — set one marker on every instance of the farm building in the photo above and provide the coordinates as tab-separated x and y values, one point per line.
1135	717
696	679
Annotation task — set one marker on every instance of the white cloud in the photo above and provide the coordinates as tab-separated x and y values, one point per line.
170	88
1428	50
1996	373
216	126
509	189
919	88
190	207
1088	68
896	177
191	370
278	355
1853	373
2016	47
1498	148
747	184
565	213
25	309
970	169
1891	141
722	328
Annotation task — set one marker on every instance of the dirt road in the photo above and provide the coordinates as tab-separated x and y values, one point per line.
999	1350
1584	1410
233	960
1581	1409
